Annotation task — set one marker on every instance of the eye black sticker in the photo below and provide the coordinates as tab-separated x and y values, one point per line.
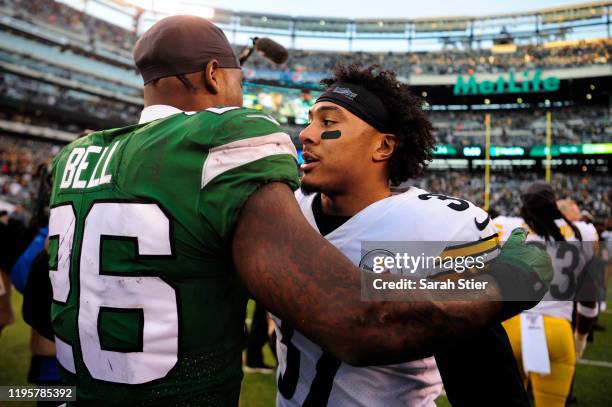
330	135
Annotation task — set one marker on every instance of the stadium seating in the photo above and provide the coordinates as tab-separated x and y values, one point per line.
67	71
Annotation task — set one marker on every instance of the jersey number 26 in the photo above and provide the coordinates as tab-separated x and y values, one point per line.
151	297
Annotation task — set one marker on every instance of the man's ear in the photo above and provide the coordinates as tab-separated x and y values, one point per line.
212	77
387	144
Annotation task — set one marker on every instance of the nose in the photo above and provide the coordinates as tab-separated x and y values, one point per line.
309	135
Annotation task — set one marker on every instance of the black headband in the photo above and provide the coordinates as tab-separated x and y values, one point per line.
361	102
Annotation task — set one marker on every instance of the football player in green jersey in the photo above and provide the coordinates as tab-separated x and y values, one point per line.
160	229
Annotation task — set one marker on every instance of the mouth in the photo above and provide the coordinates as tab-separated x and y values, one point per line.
310	161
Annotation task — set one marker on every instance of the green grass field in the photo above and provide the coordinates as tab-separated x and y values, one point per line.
258	390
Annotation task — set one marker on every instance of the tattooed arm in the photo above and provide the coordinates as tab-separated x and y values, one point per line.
304	280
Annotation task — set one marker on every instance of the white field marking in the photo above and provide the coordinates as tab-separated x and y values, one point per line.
599	363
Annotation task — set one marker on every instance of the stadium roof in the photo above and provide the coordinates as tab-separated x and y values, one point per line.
567	22
155	9
582	10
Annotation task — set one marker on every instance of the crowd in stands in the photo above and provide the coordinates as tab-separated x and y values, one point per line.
570	125
67	18
21	157
32	92
592	192
522	127
42	121
43	66
449	61
20	161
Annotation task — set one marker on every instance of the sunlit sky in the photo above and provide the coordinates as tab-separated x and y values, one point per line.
331	8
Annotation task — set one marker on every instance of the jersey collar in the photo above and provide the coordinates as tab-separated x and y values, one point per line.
155	112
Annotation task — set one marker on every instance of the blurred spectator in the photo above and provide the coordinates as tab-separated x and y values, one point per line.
569	208
20	159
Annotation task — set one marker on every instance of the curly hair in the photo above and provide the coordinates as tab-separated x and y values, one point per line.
410	124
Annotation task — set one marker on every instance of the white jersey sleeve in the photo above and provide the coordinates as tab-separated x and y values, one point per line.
506	224
466	230
476	237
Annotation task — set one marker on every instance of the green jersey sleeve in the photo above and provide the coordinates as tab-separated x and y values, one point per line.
249	149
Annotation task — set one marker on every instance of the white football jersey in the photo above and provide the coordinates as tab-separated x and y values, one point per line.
506	224
568	262
307	376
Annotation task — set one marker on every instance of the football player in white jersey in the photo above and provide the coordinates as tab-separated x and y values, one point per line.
367	131
571	245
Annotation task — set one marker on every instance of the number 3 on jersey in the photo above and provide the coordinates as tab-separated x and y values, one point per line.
155	300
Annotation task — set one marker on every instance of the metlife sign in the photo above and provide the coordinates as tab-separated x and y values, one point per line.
526	82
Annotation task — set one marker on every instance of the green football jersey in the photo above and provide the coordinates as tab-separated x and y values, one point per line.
147	307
